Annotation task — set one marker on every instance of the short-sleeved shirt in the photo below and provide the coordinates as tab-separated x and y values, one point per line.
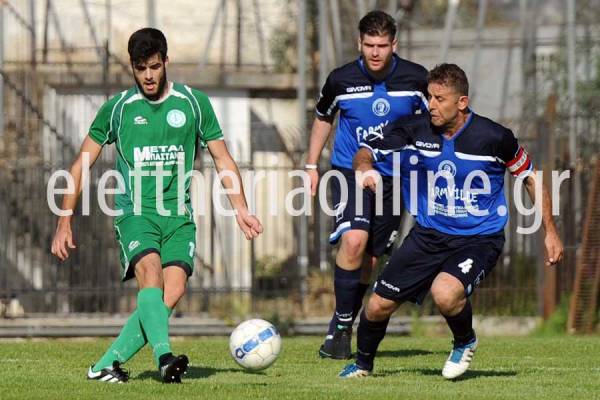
481	146
367	105
154	135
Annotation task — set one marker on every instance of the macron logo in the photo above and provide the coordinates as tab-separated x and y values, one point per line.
357	89
139	120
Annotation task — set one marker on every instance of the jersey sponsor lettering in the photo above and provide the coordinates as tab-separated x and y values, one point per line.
154	155
370	133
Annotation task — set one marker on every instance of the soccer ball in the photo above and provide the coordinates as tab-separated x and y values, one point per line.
255	344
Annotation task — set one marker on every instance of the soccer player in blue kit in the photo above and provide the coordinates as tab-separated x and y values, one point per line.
370	92
460	218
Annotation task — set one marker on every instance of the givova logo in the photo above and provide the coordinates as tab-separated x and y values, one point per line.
390	286
427	145
356	89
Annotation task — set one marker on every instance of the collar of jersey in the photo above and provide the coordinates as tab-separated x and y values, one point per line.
364	70
159	100
462	129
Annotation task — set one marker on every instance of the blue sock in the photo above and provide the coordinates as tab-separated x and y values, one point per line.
346	284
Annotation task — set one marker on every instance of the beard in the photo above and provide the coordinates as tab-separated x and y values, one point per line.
161	87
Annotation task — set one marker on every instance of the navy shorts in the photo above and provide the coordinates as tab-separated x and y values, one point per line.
382	229
425	253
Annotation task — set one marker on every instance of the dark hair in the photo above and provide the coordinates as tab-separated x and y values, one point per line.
377	23
450	75
146	42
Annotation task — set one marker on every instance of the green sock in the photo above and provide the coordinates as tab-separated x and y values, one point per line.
154	319
131	339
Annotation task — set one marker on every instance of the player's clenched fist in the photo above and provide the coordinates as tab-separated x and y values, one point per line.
368	179
249	224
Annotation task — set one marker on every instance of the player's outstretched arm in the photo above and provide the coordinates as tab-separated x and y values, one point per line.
63	238
248	223
319	134
552	242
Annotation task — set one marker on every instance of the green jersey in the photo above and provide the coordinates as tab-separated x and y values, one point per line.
156	138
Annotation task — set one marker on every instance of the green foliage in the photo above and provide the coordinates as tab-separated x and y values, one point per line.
432	14
556	324
282	46
231	307
510	290
268	266
284	325
283	40
417	328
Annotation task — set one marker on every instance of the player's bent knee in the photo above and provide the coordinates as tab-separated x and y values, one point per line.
148	271
354	243
379	308
175	282
173	295
447	301
448	293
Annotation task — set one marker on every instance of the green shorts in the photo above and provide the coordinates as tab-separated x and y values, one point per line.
172	238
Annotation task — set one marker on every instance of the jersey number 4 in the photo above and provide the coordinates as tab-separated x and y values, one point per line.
466	265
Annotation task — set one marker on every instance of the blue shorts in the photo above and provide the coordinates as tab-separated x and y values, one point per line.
426	252
382	229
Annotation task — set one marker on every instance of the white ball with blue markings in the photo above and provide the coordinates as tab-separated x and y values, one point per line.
255	344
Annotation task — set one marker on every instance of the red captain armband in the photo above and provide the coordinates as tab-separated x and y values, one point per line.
520	163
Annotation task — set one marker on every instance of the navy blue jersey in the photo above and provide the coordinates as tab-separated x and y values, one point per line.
480	151
367	105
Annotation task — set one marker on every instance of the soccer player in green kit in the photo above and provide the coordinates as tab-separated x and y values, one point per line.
155	126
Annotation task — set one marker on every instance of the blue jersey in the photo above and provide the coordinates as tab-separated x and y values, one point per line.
367	105
460	181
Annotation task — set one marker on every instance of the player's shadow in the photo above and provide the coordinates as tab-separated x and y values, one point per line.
406	353
195	372
470	374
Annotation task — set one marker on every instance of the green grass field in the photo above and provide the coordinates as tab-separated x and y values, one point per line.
407	368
